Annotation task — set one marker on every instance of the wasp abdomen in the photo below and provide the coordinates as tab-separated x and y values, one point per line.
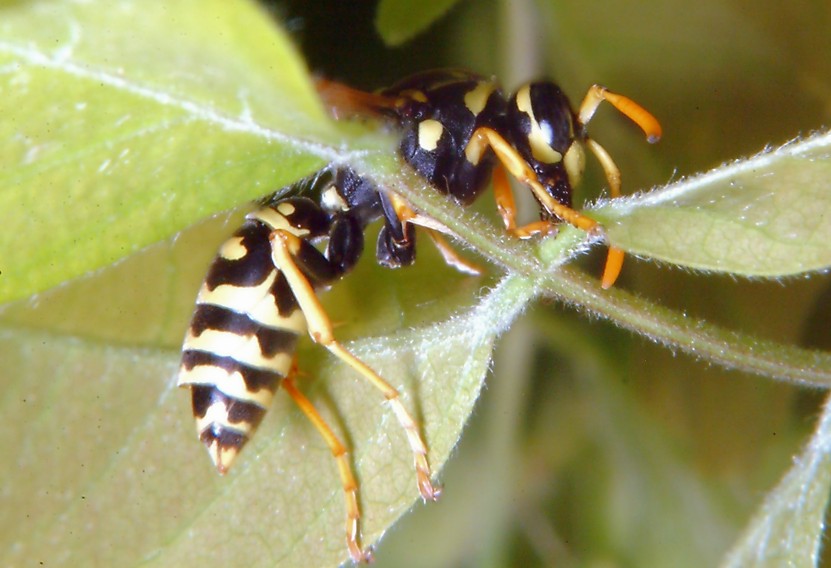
241	341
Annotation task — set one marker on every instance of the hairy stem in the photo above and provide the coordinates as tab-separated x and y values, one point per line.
707	341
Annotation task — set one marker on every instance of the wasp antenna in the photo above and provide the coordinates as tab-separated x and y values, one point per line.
629	108
343	101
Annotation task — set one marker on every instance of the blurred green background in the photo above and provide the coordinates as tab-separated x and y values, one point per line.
591	447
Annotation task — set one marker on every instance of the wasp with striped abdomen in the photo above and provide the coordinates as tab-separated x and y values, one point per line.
260	294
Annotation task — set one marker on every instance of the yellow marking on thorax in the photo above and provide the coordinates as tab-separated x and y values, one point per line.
415	95
233	249
477	97
537	139
286	208
332	200
277	219
429	133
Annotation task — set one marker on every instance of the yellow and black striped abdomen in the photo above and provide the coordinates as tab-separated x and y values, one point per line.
241	340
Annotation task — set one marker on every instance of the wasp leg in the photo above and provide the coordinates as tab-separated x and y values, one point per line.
614	259
610	169
505	204
650	126
450	256
350	484
513	162
504	197
285	247
405	214
483	138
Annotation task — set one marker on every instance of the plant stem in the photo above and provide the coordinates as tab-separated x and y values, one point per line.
697	337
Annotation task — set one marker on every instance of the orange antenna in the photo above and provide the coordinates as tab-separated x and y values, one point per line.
629	108
342	100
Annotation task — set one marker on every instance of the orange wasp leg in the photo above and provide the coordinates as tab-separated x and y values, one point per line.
405	213
505	204
350	484
650	126
285	247
484	137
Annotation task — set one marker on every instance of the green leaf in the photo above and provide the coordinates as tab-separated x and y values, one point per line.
763	216
788	528
101	443
124	123
544	267
399	21
693	335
